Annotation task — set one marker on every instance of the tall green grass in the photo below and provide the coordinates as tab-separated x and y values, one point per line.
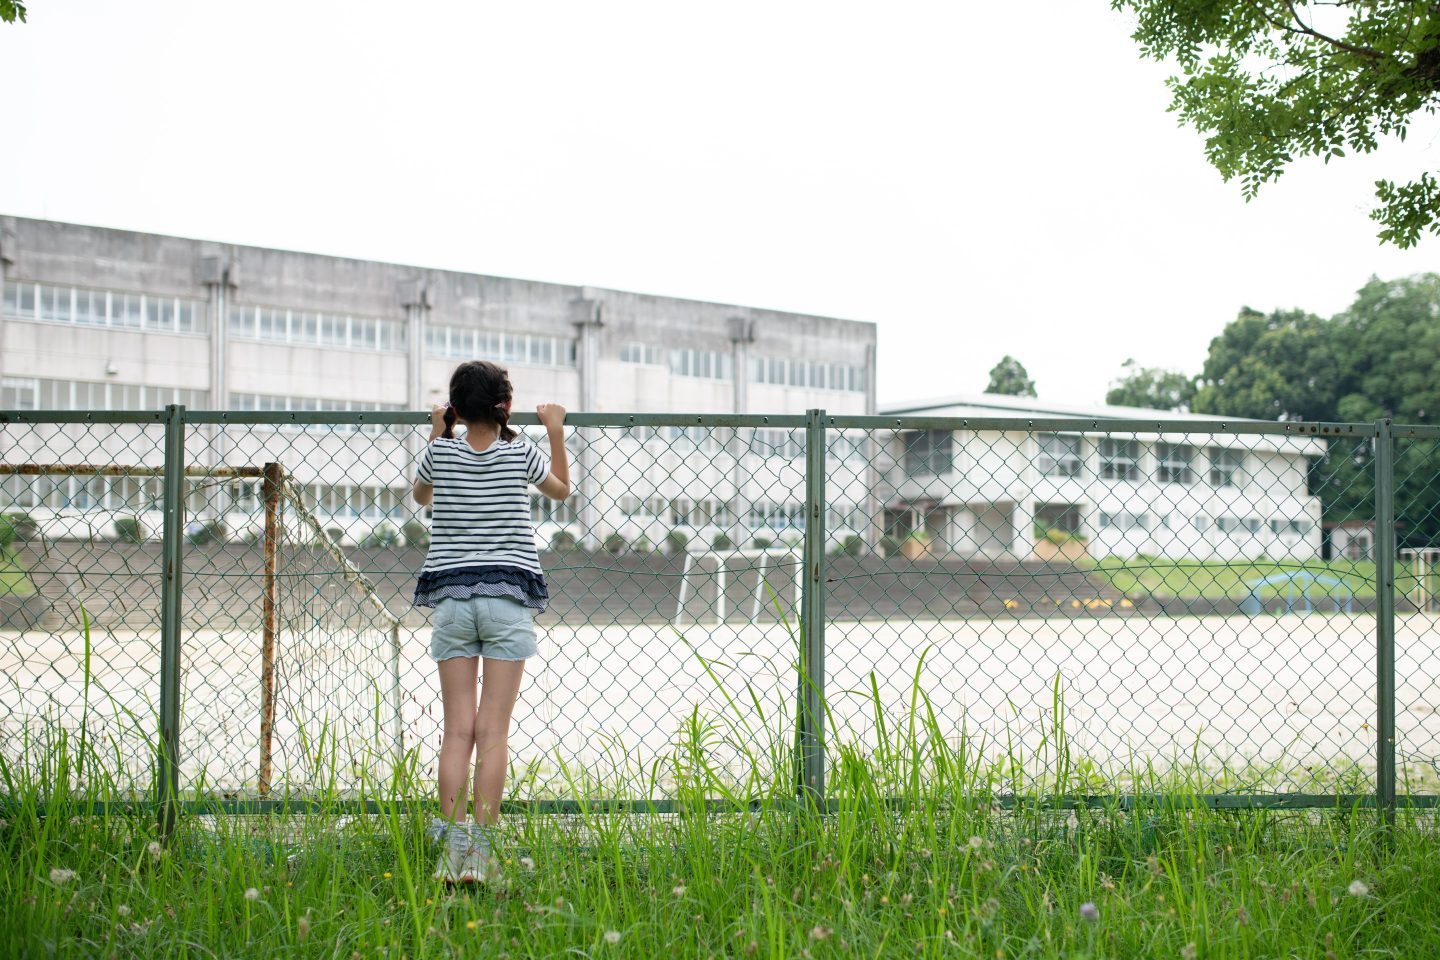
923	847
915	855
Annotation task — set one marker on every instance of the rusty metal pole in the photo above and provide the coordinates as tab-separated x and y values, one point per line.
271	619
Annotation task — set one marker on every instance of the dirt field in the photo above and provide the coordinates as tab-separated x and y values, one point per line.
1294	690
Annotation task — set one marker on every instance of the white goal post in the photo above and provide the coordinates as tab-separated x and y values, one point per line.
288	522
1424	568
757	557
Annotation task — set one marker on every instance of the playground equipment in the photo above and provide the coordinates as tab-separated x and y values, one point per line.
746	561
1424	566
1298	583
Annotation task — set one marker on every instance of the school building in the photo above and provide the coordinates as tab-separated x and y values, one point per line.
101	319
995	494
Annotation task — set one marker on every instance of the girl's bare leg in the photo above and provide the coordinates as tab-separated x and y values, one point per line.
492	734
457	694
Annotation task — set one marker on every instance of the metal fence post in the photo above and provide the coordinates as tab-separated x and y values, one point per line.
1385	621
811	693
167	778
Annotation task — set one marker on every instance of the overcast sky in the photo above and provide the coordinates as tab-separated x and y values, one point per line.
975	180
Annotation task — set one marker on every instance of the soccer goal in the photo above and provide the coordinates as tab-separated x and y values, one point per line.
718	566
1424	567
284	598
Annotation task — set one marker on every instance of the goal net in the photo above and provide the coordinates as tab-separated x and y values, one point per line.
744	584
290	654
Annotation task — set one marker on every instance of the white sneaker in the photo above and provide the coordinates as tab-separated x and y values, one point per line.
479	866
451	868
457	849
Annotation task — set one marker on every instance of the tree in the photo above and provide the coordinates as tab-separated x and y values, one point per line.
1268	81
1009	377
12	10
1151	387
1376	359
1278	367
1390	336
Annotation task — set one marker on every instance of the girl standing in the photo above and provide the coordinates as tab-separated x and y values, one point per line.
482	575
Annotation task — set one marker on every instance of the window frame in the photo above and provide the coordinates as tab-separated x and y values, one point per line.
1050	463
1167	466
1121	467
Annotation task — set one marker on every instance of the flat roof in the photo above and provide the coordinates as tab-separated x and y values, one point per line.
999	405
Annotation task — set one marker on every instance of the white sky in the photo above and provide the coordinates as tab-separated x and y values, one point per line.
975	180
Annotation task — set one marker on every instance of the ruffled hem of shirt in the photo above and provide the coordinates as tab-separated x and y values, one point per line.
464	582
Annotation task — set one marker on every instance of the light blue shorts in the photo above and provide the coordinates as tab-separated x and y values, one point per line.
500	628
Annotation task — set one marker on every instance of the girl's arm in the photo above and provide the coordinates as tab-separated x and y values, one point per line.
424	492
557	485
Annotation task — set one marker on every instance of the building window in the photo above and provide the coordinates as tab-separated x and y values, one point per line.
1120	459
1059	455
1057	516
706	364
281	404
38	394
776	516
844	515
1225	466
806	373
684	512
309	329
778	443
1123	520
545	510
1289	528
642	353
467	343
929	451
1172	463
48	303
16	394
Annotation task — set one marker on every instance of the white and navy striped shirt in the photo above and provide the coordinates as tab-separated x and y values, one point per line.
480	519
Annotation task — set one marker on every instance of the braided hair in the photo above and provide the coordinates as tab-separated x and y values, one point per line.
479	391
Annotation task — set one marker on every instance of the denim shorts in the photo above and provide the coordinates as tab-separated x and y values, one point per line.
500	628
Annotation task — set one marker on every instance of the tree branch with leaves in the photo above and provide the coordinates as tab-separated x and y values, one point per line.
1267	82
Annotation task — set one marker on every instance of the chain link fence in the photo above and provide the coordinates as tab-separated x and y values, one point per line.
1093	605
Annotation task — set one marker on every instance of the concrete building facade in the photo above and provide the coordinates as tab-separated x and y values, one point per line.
1014	494
95	318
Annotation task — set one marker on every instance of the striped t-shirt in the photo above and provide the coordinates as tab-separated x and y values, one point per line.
482	541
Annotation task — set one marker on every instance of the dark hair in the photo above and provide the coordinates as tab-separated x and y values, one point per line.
479	391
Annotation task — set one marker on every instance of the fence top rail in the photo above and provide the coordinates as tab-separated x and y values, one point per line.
524	419
121	470
1103	425
1159	425
83	416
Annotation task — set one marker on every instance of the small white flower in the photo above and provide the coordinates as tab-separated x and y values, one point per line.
612	936
976	843
123	910
679	890
527	864
820	933
1358	888
61	875
155	850
1188	952
1088	911
252	894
